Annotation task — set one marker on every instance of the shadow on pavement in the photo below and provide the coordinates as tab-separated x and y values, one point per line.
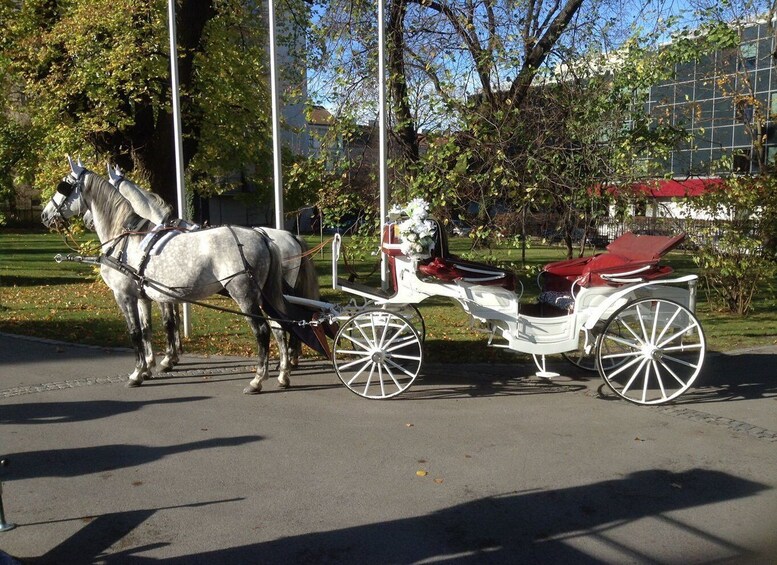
744	376
103	531
523	527
73	462
79	411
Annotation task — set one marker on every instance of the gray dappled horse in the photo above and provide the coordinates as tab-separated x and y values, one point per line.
171	320
191	266
299	272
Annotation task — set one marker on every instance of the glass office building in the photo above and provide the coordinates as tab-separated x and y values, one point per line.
728	101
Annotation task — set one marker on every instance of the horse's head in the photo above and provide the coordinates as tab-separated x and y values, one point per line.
67	201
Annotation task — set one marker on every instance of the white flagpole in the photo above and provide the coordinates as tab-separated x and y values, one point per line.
179	180
382	147
276	124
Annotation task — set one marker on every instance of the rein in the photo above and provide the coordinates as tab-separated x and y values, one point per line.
130	272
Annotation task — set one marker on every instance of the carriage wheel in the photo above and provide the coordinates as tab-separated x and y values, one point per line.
412	314
651	351
579	359
587	361
377	354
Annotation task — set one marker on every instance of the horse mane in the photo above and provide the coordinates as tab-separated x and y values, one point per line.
108	202
158	200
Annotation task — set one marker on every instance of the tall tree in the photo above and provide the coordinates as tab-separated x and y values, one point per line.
94	80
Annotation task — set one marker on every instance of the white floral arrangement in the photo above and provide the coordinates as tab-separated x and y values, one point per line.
416	229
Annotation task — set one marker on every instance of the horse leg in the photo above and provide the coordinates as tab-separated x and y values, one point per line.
249	305
144	316
177	318
129	307
284	369
294	350
170	321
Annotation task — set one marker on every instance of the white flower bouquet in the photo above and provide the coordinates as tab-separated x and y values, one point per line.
415	228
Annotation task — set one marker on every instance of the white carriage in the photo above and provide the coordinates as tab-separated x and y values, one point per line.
620	313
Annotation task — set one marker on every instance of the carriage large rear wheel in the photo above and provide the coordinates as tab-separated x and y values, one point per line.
651	351
377	354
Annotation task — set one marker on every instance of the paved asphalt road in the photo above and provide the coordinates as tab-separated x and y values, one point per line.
474	464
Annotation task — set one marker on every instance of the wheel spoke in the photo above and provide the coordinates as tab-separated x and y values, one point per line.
360	371
622	355
646	381
667	326
363	345
632	332
655	323
390	374
659	379
622	341
683	347
676	335
355	363
380	377
682	362
401	345
634	375
399	367
674	375
626	366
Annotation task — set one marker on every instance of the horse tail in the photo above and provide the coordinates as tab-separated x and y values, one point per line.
307	280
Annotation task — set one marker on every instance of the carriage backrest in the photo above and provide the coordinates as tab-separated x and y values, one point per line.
644	247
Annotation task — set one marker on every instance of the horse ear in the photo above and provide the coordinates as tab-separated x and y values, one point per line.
76	169
114	174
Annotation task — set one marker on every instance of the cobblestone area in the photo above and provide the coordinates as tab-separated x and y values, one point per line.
706	418
75	383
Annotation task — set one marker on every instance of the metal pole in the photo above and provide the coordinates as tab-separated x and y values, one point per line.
4	526
382	147
276	124
179	181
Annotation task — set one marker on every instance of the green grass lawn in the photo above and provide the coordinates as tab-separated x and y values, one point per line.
66	301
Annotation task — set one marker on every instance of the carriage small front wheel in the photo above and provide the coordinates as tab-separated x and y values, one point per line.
651	351
377	353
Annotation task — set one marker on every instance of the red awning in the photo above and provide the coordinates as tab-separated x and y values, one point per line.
672	188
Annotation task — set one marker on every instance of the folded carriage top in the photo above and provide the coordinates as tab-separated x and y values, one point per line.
630	258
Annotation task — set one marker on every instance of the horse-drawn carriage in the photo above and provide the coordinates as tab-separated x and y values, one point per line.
619	313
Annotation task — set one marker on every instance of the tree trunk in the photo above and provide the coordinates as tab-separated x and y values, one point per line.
153	148
405	131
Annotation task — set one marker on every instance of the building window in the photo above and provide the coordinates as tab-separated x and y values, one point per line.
748	54
744	111
742	158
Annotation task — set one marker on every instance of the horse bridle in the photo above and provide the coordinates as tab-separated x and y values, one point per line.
66	188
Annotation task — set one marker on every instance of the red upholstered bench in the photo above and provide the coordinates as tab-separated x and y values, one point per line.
630	258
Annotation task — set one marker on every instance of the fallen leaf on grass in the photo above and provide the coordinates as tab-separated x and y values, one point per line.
421	473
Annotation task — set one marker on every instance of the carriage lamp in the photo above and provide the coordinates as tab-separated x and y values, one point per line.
4	526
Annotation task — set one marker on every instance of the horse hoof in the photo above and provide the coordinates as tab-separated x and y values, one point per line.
284	384
134	383
251	390
164	368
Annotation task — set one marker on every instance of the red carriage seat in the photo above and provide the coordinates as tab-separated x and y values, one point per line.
446	267
630	258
